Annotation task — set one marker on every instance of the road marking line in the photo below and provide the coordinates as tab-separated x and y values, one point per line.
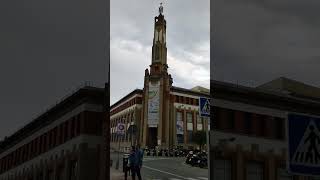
203	178
165	172
191	179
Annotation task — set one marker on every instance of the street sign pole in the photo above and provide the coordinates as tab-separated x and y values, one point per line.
205	111
117	164
120	132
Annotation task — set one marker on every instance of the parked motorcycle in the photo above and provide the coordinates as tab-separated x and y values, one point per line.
188	157
153	152
160	152
171	153
166	152
148	152
199	159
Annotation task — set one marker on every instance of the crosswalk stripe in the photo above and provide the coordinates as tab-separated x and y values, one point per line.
198	178
203	178
164	172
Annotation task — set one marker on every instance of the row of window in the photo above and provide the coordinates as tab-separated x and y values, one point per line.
248	123
56	136
58	175
192	120
181	139
89	123
254	171
136	100
186	100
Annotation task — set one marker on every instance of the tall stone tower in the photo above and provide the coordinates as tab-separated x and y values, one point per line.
157	84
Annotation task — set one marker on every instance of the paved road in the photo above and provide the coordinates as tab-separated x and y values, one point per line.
167	168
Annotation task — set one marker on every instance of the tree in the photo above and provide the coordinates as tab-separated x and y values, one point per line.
200	138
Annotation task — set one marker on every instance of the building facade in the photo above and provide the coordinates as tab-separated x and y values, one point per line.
255	120
159	107
65	143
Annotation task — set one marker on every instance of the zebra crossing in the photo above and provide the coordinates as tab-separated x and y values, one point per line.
197	178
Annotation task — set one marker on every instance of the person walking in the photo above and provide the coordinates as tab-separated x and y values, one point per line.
135	163
140	159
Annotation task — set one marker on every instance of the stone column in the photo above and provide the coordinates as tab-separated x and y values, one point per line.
174	122
66	167
87	166
167	119
185	132
239	175
55	169
145	114
45	171
271	166
239	122
161	117
82	171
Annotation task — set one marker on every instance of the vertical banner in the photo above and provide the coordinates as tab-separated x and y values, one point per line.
180	127
153	104
179	123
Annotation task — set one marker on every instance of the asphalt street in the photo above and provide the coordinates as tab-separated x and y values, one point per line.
166	168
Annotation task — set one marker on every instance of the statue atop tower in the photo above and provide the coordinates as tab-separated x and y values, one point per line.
160	9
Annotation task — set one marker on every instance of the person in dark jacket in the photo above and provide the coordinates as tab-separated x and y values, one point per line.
135	163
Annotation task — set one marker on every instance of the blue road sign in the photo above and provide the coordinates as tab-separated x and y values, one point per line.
204	106
303	145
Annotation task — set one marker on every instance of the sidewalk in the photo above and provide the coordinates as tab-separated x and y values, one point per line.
116	174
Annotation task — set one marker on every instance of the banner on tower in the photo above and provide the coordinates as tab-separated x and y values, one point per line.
153	104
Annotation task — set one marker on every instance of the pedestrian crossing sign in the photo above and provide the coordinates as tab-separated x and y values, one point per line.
204	106
303	144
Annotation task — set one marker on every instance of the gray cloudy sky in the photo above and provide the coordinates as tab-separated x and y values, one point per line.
47	49
257	41
188	43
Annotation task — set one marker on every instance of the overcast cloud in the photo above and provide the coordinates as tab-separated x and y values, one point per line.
257	41
47	49
188	43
